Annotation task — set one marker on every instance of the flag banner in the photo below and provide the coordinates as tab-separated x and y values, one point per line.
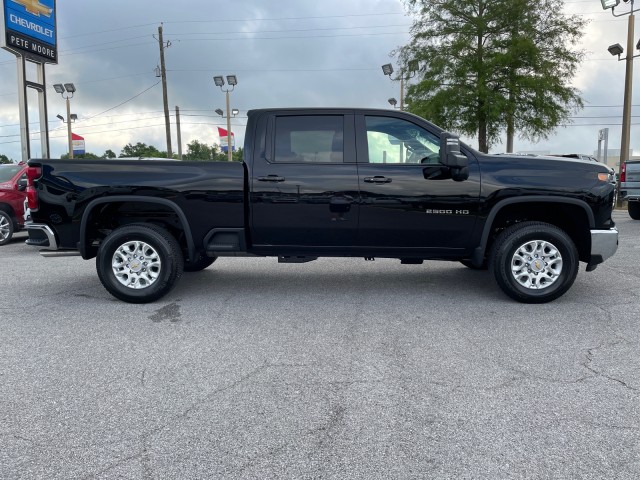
78	144
224	142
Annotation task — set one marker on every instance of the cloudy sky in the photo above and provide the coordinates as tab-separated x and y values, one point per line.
284	52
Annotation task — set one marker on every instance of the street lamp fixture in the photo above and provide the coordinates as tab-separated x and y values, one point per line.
393	102
235	111
616	50
220	112
67	90
387	69
607	4
232	80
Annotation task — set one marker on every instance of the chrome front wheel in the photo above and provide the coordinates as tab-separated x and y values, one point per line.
536	264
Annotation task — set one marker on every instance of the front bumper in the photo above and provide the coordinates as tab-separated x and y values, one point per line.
604	243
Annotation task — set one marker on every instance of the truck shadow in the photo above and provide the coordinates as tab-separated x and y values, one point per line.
435	279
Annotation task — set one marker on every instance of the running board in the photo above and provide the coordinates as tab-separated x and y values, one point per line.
59	253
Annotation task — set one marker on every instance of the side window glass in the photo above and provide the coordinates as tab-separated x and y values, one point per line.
392	140
309	139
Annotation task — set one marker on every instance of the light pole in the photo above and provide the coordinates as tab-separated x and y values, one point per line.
232	80
67	90
617	50
387	69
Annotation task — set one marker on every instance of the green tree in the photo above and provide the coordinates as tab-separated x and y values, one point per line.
493	65
198	151
5	159
141	150
87	155
109	154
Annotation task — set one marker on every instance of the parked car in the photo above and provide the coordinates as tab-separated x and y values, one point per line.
13	183
630	187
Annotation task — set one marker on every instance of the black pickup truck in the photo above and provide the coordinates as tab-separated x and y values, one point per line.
328	182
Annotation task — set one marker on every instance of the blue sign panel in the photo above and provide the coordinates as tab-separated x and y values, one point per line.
33	18
30	26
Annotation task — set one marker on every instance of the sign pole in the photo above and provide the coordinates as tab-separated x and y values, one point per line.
23	108
42	101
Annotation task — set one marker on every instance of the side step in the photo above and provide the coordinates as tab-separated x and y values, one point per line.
296	259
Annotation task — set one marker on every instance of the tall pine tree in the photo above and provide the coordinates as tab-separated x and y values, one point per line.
490	66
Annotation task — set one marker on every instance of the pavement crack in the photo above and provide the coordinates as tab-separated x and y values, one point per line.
588	364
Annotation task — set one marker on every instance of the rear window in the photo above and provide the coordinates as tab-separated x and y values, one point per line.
7	172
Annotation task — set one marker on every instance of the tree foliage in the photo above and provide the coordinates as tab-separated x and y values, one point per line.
5	159
141	150
490	66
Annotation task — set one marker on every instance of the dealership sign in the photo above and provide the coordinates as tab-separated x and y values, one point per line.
30	29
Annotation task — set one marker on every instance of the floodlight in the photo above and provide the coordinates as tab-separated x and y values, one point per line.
58	88
218	80
74	117
638	45
60	117
70	87
393	102
232	80
219	112
606	4
387	69
616	49
414	65
235	111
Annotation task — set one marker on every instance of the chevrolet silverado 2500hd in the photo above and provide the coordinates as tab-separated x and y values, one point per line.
328	182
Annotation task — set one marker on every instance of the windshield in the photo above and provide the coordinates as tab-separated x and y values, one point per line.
7	172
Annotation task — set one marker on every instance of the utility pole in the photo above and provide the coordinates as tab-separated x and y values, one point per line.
163	73
179	134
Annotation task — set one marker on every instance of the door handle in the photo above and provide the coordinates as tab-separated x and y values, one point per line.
377	179
271	178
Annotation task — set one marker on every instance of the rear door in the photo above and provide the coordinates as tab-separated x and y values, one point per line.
304	182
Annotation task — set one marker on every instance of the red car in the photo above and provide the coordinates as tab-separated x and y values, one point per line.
13	183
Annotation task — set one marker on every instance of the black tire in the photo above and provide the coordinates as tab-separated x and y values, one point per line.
468	264
6	228
200	264
164	255
634	210
558	276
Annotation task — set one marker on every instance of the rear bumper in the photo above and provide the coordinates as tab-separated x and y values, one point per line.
604	243
41	235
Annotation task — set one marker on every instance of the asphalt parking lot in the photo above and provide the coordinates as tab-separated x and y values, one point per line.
332	369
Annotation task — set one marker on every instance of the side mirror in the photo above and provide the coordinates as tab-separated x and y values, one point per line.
452	157
22	184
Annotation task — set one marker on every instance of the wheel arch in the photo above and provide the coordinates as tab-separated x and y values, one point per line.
86	250
576	212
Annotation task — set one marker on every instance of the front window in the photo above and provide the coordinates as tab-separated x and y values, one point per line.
392	140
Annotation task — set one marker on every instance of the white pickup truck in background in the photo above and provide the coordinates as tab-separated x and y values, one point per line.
630	187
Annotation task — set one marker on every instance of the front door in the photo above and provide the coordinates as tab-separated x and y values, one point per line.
405	201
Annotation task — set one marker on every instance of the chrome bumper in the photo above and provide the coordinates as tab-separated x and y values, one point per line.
604	243
51	237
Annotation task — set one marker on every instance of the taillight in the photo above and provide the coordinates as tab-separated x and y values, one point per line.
33	173
623	174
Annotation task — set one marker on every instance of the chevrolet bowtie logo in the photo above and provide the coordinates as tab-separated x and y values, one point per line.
34	7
